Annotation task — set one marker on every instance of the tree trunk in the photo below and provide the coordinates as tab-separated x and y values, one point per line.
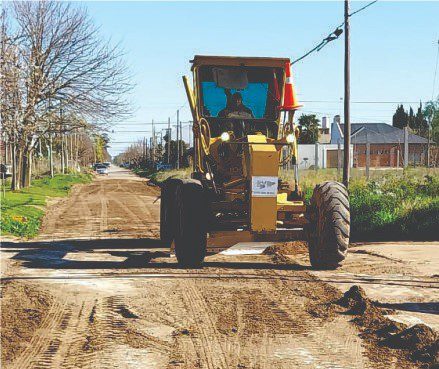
24	165
62	154
19	168
15	183
28	174
51	155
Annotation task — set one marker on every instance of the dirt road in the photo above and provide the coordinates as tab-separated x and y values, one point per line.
95	290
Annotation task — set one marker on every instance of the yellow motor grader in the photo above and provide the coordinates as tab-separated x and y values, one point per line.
243	129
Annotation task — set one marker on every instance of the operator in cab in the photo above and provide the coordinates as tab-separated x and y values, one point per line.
235	108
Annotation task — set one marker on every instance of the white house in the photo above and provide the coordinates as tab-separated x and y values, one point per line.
327	155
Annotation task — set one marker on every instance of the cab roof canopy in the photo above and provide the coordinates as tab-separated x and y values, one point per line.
239	61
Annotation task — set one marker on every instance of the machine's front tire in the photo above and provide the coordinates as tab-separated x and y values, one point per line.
167	211
329	228
191	223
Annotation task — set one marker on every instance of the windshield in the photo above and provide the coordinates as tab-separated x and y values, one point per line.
244	93
253	100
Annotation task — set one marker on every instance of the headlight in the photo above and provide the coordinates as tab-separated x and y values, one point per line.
225	136
291	138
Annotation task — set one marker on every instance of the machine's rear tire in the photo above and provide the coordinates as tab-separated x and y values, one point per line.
191	223
167	211
329	228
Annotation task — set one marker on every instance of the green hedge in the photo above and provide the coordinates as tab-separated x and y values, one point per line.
393	208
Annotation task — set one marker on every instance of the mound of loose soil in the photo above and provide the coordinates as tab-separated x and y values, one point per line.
420	340
23	308
428	354
412	338
287	248
418	343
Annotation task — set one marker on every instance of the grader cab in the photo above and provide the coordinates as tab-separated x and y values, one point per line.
244	134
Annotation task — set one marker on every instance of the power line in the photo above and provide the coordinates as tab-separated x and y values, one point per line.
361	102
361	9
332	36
137	123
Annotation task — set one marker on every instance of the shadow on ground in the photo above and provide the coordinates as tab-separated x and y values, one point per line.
136	253
418	307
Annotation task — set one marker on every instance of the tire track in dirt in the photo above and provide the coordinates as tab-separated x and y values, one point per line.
208	345
321	346
44	344
104	209
69	217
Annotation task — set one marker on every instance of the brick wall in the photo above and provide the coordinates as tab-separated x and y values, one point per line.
385	155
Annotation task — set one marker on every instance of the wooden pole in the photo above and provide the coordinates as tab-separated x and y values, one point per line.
429	139
178	140
367	158
347	98
406	147
338	159
169	140
182	141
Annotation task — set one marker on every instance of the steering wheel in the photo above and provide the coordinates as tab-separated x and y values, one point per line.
287	128
205	135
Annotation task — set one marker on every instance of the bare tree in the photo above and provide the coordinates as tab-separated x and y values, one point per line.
64	69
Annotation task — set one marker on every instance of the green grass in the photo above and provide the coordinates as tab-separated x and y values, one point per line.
395	208
22	211
159	177
392	205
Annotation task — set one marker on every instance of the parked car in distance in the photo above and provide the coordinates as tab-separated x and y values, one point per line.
163	166
5	171
101	169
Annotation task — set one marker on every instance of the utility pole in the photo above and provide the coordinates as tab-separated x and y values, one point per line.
429	139
169	140
189	132
182	140
406	146
152	143
347	98
367	158
178	139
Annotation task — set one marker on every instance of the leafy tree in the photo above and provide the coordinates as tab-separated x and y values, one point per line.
173	152
400	118
309	129
412	120
421	123
431	113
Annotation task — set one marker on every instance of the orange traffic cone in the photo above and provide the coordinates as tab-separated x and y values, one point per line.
290	100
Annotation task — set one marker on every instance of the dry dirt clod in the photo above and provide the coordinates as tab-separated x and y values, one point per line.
181	332
126	313
287	248
356	300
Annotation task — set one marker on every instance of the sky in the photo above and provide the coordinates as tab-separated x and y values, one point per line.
393	53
